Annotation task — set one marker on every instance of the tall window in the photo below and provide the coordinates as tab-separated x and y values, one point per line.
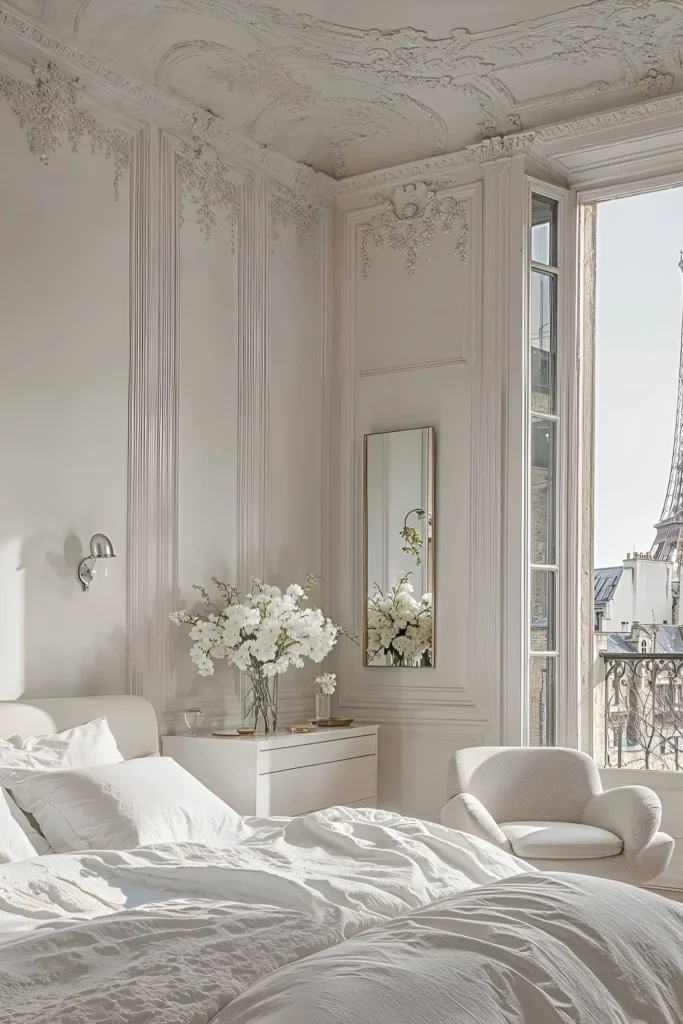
543	459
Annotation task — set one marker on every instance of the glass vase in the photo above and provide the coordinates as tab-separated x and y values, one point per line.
258	701
399	660
322	706
193	720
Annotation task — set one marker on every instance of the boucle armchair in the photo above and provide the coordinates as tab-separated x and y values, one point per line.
547	806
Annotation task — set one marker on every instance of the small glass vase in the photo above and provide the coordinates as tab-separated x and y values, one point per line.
258	701
322	706
399	660
193	720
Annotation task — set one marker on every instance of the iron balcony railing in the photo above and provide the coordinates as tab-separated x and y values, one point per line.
643	711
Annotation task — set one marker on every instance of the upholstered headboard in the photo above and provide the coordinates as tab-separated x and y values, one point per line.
131	719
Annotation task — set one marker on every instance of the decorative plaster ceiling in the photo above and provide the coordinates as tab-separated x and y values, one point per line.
373	92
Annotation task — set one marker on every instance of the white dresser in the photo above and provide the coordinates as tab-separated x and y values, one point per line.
284	774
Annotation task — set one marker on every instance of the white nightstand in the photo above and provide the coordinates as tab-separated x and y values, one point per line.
285	774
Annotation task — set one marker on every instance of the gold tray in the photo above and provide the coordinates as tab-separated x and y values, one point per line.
300	728
331	723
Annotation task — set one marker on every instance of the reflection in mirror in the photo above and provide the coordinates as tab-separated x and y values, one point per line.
399	549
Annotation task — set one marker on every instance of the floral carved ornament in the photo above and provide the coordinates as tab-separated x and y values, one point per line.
48	110
410	218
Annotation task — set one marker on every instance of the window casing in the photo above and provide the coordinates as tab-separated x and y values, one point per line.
544	434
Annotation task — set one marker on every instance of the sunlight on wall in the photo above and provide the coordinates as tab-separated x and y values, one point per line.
12	606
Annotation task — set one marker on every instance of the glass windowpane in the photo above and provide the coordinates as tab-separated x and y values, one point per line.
543	527
542	677
542	331
544	230
542	610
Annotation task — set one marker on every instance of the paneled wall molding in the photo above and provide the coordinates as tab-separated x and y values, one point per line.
475	697
252	369
409	219
153	431
174	113
48	111
429	728
407	367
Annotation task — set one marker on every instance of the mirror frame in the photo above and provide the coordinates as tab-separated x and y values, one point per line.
431	503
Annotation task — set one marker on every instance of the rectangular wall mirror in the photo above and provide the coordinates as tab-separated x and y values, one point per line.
398	589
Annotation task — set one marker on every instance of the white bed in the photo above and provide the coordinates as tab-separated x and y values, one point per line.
342	917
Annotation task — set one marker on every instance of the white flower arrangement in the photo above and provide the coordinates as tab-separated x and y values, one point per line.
398	625
326	684
264	631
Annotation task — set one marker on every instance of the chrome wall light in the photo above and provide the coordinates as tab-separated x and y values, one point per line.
100	547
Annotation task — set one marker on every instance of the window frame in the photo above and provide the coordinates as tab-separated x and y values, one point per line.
568	493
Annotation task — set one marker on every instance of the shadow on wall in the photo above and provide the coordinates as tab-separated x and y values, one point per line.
65	563
21	564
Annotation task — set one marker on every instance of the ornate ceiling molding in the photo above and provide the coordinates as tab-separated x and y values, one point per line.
335	119
411	216
638	40
502	147
641	37
47	111
631	115
207	182
499	148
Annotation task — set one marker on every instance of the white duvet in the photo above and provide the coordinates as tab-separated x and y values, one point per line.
172	934
533	949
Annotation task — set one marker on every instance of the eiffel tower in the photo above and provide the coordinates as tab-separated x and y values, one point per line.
668	545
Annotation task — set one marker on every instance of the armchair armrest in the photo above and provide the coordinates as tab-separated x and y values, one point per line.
467	814
633	813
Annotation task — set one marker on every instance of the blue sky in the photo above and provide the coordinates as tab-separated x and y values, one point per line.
637	352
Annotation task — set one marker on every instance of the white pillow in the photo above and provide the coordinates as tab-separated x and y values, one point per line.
38	842
14	844
81	747
126	805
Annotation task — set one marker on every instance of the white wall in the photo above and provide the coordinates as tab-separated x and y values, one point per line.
63	418
155	383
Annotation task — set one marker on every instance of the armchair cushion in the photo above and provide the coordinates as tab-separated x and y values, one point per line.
560	840
633	812
467	814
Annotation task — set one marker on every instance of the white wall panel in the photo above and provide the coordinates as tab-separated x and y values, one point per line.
295	487
63	417
207	433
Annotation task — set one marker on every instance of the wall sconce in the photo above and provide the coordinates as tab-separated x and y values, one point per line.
100	547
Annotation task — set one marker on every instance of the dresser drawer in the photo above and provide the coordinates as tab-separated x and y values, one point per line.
277	759
311	788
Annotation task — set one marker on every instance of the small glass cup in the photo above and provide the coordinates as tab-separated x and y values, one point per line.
193	720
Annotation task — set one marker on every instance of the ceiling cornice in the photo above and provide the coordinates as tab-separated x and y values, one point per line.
189	120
